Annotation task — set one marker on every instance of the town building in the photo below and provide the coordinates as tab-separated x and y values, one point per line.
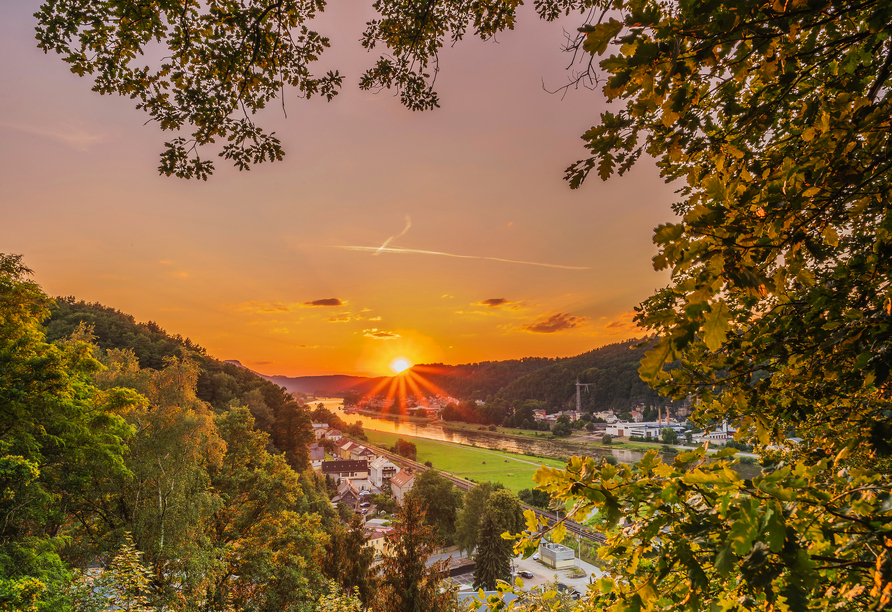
642	430
346	468
401	483
317	453
381	470
332	434
346	447
361	452
556	556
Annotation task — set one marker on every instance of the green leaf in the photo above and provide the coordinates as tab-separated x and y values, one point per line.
716	325
724	560
597	37
654	359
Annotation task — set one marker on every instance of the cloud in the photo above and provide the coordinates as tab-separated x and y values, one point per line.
75	137
392	238
325	302
493	302
342	319
307	346
379	335
262	363
265	307
550	324
623	323
386	249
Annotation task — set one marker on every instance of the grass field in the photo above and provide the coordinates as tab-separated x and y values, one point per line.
479	464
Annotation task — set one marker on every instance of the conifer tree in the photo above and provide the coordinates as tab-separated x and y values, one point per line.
493	555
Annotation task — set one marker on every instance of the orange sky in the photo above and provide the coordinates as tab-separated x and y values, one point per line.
236	263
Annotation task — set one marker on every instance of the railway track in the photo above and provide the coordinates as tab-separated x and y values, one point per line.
463	484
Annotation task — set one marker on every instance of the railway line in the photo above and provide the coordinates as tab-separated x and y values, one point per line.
572	527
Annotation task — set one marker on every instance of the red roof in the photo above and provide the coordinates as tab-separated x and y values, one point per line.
402	478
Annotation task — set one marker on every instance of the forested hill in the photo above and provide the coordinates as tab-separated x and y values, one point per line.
218	383
332	385
612	368
481	380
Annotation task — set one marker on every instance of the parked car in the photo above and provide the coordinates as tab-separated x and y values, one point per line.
365	504
573	593
525	574
535	556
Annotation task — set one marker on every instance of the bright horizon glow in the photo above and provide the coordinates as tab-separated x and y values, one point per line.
400	365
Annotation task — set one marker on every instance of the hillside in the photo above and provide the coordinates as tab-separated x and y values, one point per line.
219	383
473	381
612	368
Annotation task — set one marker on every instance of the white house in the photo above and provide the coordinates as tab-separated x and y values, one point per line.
381	470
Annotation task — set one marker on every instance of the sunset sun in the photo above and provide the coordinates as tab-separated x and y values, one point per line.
400	364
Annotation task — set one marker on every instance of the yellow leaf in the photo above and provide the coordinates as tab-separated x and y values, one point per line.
808	134
664	470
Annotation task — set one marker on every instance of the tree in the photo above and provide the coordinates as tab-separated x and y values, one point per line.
502	513
408	584
405	448
56	430
349	558
534	497
607	439
440	501
468	520
561	429
337	601
669	436
124	585
492	558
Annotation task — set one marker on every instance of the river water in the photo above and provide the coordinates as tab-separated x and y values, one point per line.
545	446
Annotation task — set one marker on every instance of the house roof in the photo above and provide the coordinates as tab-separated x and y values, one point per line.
381	463
402	478
345	465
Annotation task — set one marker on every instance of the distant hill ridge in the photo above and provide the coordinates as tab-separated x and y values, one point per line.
613	368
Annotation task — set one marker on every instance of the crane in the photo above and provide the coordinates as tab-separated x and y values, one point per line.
578	396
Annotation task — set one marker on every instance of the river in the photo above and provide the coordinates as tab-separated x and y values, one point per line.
544	446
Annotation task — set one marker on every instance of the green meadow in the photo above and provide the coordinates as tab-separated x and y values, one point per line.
479	464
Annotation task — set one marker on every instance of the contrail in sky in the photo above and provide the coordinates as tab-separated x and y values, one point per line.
386	249
392	238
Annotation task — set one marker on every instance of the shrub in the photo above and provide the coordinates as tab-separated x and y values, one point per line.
607	439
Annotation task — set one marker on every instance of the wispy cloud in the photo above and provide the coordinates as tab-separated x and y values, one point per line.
341	319
383	249
392	238
75	137
266	307
550	324
379	335
622	323
325	302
